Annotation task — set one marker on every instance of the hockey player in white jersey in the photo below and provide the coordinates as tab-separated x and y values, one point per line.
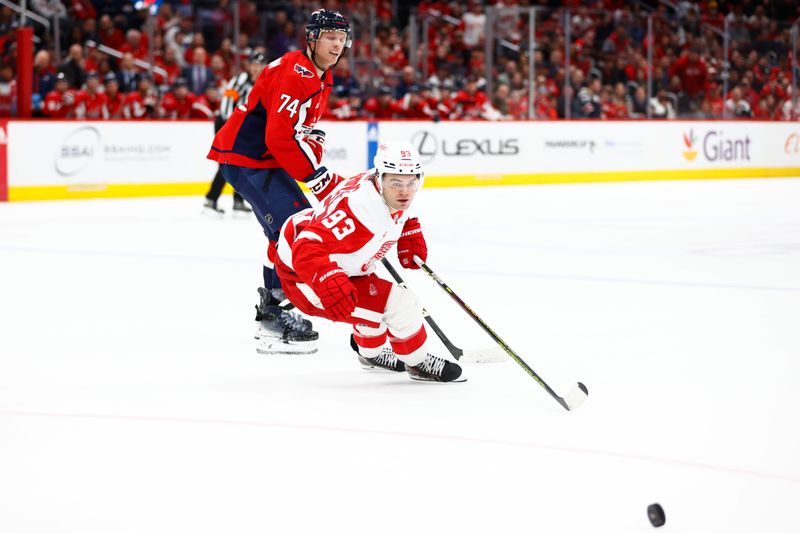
326	263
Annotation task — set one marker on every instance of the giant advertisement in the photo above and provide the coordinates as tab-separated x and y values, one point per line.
531	152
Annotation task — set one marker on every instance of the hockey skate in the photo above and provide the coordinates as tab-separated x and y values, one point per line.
241	209
211	208
280	331
385	361
434	368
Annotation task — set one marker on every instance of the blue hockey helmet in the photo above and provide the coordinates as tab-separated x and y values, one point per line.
326	20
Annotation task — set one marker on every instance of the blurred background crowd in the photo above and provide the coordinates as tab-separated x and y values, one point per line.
437	60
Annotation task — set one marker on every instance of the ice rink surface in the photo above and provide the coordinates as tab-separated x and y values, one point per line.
132	399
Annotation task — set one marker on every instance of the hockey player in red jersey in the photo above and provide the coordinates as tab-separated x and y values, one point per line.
140	104
266	147
60	102
177	104
207	104
115	99
326	257
91	103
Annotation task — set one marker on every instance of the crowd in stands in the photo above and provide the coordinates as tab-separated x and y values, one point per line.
192	44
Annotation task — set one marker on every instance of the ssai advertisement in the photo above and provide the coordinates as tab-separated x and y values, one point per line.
83	153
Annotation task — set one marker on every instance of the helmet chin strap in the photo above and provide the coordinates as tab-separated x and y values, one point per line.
313	56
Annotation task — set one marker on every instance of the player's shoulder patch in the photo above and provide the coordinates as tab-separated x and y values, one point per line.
303	71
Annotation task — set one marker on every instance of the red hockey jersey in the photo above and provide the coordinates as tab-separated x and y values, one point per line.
115	104
285	103
59	105
138	107
91	105
351	228
176	108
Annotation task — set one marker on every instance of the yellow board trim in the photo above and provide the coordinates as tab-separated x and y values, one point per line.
596	177
78	192
65	192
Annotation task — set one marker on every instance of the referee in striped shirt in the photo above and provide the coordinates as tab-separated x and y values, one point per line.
236	92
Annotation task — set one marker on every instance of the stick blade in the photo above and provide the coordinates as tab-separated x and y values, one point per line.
576	396
484	355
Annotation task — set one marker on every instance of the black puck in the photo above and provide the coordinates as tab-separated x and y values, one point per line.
656	515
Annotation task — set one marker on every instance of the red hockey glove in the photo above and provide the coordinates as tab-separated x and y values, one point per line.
337	294
316	140
322	182
411	243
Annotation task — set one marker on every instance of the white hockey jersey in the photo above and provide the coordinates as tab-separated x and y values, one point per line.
352	228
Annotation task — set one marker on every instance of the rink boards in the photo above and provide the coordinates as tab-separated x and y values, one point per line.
41	160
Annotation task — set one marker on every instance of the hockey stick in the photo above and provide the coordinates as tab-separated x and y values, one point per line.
472	356
576	396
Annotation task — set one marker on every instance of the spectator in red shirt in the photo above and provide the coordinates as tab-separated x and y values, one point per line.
8	91
693	72
93	57
715	102
545	107
620	103
169	62
136	44
772	87
748	93
90	103
82	10
713	17
59	102
219	71
115	100
766	108
177	104
110	35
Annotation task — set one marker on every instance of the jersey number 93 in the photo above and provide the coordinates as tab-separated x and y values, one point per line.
340	231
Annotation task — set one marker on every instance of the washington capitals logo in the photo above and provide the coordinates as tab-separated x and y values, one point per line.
303	71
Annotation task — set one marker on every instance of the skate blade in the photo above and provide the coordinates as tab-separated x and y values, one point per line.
265	347
267	351
380	369
460	379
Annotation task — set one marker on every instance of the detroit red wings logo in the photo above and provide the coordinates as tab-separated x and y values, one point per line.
303	71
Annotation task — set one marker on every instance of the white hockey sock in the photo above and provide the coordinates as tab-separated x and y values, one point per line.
411	350
370	341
